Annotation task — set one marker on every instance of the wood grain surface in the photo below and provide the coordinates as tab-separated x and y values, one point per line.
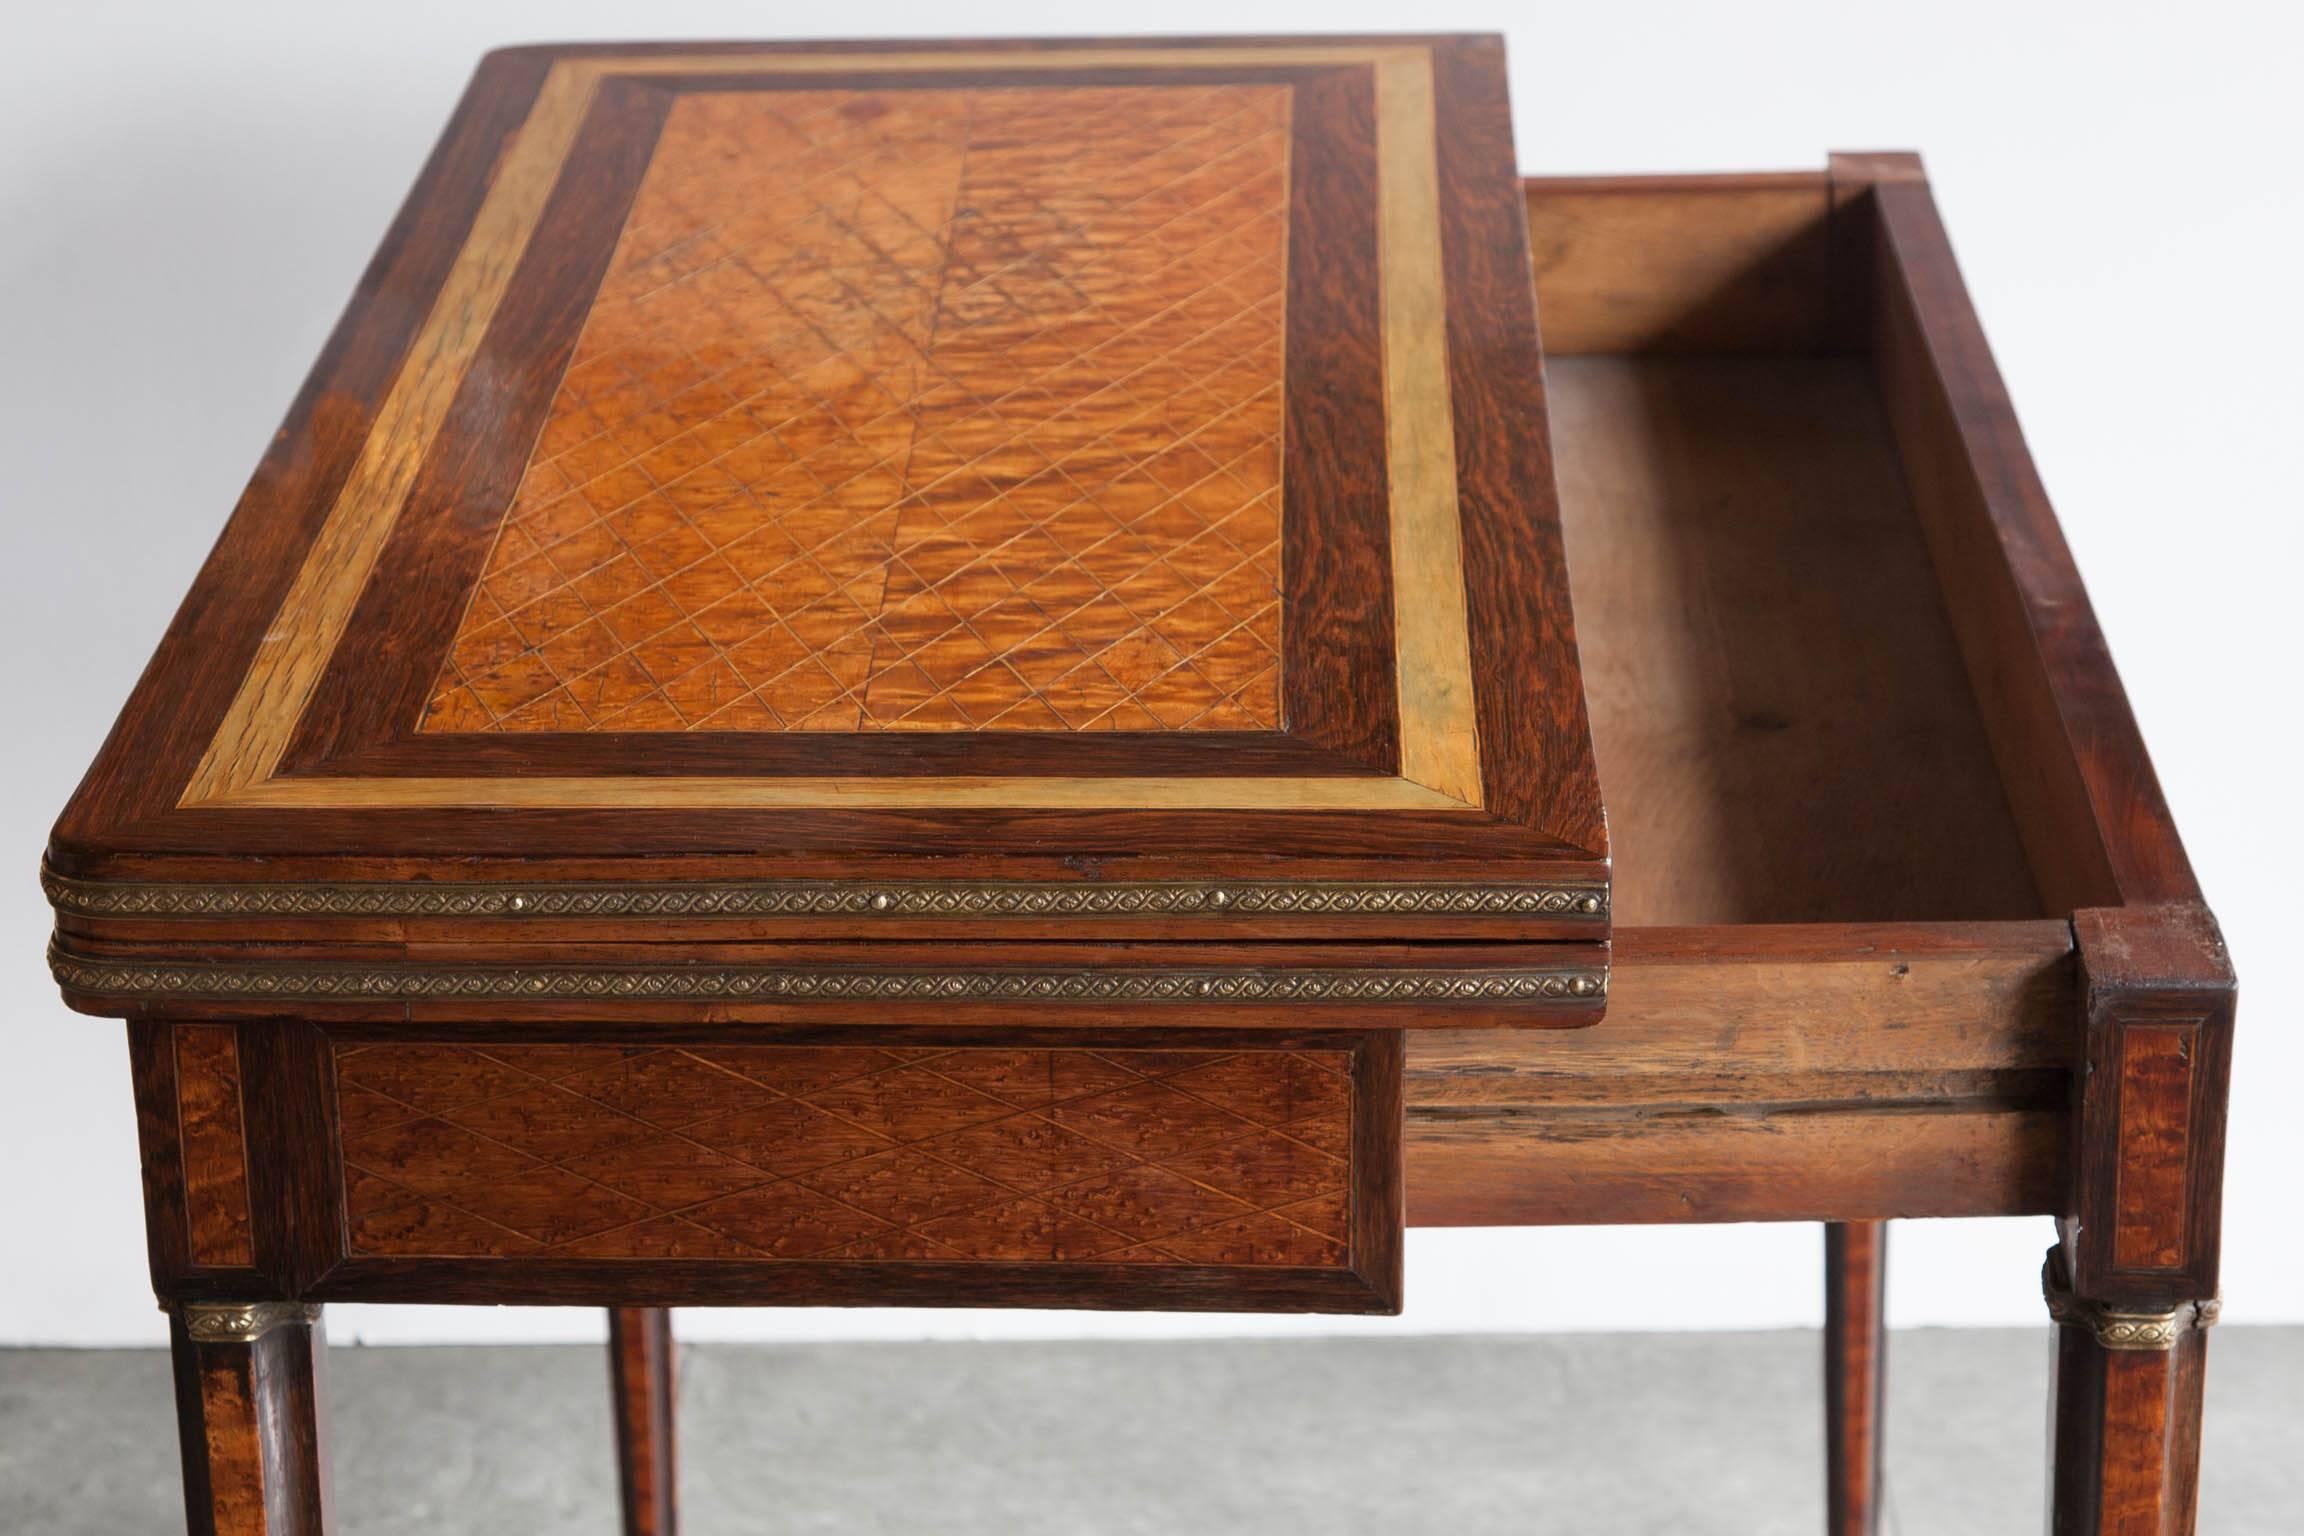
1682	264
1767	1073
215	1143
251	1422
1855	1374
2155	1104
2094	822
1785	728
2124	1431
643	1371
962	410
337	734
848	1153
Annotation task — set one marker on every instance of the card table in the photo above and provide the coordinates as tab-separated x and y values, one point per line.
985	674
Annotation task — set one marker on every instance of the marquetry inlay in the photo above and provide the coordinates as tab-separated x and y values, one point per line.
1152	604
947	410
844	1153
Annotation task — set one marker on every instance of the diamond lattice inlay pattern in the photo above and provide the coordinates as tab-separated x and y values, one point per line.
847	1153
934	409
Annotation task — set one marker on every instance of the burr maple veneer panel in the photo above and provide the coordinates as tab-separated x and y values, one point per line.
210	1125
1218	1157
956	409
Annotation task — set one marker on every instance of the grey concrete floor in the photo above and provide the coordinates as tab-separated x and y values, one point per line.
1688	1434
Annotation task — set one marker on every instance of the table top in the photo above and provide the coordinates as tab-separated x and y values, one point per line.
987	464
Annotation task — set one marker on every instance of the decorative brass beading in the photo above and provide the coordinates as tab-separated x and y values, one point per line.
2116	1329
352	981
939	900
242	1322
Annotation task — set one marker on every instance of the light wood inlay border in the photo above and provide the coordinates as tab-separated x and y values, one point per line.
1439	750
257	728
915	793
1432	650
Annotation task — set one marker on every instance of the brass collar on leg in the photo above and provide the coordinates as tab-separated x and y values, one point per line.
242	1322
2118	1329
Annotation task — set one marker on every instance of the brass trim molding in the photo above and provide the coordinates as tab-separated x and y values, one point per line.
1574	901
2115	1329
242	1322
351	981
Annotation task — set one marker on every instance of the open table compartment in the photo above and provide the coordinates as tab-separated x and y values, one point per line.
1893	874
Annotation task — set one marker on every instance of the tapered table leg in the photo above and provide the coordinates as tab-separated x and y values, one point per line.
641	1370
1855	1350
2124	1420
2133	1280
249	1415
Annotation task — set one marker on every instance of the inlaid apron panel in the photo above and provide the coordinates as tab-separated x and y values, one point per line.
1234	1157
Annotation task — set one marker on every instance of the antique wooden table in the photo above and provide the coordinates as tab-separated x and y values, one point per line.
943	674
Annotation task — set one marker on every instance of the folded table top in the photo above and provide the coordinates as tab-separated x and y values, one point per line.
903	484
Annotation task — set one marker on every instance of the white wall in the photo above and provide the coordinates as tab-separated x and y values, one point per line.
187	194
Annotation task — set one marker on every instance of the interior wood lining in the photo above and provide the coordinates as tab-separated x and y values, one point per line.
1507	1167
1681	263
1784	727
